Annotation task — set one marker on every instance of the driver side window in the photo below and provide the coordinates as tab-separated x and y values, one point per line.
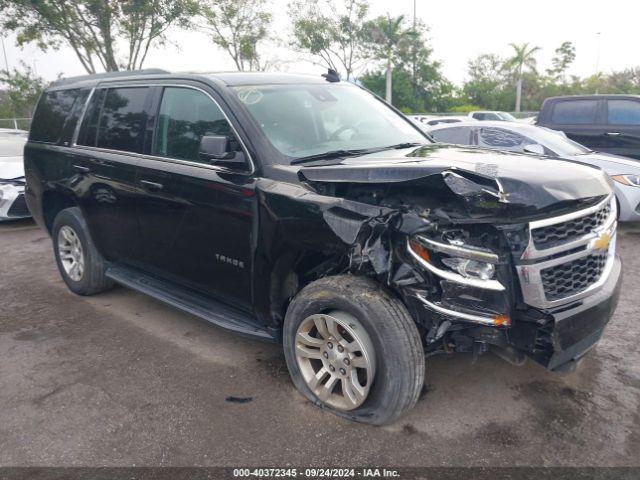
185	116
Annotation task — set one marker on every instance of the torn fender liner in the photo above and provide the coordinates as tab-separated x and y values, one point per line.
516	179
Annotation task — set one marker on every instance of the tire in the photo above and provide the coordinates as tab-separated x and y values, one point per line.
391	333
90	279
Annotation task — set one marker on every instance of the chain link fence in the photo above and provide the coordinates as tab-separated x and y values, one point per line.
15	123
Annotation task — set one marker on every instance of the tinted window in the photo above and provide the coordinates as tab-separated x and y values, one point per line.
501	139
186	116
89	127
456	135
120	125
575	112
623	112
51	114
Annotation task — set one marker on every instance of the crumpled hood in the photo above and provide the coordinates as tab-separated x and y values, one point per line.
516	179
11	167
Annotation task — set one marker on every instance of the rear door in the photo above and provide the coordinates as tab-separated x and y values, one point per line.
105	158
196	218
623	133
582	120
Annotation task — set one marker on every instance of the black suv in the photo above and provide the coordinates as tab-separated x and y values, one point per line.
604	123
307	211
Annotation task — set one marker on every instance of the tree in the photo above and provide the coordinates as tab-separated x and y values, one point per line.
91	27
523	57
22	87
417	83
386	36
564	56
238	26
488	83
331	30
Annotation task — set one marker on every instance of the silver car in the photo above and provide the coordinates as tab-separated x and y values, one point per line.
12	201
519	137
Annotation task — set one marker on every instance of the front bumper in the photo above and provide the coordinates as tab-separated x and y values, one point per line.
12	202
577	329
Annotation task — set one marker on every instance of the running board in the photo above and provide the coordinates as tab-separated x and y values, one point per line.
196	304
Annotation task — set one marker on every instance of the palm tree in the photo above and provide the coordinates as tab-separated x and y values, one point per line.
387	35
523	57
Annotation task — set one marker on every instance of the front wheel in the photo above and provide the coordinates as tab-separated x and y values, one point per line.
354	349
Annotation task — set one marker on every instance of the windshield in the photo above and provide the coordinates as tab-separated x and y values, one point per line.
12	144
507	117
304	120
560	144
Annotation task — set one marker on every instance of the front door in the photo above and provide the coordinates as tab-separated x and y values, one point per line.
623	127
196	219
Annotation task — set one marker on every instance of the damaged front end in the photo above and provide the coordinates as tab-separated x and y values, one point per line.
482	261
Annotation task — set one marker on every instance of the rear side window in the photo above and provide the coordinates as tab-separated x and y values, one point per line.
185	116
575	112
501	139
623	112
51	114
115	119
456	135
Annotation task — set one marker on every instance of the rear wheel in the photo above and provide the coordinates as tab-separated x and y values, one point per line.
81	266
354	349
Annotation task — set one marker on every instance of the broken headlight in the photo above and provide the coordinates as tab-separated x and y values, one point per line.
470	268
456	261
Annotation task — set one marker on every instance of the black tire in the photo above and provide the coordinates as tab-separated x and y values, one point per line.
400	361
93	279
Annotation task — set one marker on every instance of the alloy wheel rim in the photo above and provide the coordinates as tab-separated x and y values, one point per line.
337	359
71	253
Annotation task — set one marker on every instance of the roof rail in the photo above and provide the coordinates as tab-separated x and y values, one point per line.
107	75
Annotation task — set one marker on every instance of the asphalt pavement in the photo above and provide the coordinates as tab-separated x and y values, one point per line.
119	379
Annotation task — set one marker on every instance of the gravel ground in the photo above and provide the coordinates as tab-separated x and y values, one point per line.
120	379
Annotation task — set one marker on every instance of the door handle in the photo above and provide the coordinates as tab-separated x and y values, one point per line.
613	134
81	168
152	185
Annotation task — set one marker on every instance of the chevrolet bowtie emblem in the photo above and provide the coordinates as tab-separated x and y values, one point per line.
602	243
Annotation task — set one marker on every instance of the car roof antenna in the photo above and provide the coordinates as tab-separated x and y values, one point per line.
331	75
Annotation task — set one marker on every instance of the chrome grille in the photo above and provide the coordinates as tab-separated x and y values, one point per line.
569	256
573	277
551	235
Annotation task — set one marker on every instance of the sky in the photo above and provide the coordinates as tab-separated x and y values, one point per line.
459	30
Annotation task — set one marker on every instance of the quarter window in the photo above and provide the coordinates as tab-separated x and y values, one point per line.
575	112
185	116
623	112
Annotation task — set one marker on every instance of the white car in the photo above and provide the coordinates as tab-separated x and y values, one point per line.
492	116
425	121
520	137
12	201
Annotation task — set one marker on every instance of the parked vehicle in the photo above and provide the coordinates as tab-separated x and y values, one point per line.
12	202
431	120
518	137
492	116
308	211
604	123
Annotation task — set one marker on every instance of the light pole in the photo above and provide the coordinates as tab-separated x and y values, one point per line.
599	37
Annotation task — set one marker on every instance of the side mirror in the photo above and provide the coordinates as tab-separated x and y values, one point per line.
216	149
534	148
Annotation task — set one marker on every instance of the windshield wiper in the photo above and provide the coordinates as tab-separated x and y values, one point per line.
353	152
400	146
331	155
